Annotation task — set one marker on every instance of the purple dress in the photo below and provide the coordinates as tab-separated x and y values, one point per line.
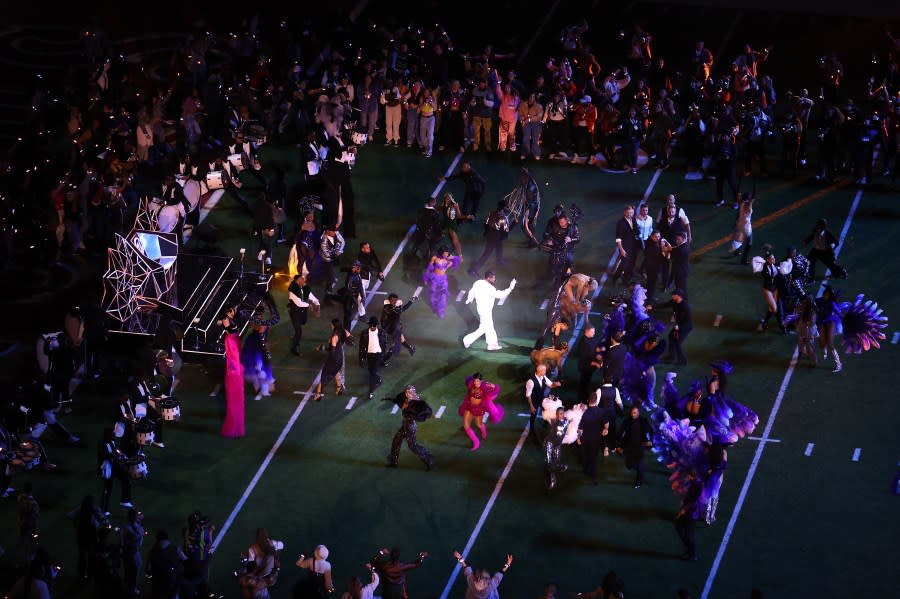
437	282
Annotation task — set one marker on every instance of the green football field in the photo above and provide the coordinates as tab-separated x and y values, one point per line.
806	508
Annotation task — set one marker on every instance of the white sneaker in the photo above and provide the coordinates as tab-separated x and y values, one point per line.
268	262
258	397
494	347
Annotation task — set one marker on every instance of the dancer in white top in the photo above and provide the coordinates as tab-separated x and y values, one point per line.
484	293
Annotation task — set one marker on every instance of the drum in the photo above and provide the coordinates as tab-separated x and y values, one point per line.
237	160
144	433
359	138
137	467
27	456
170	408
214	180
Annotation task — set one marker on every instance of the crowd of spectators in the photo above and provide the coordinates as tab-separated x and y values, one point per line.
107	139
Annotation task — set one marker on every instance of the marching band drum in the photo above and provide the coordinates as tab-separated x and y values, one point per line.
238	161
170	408
137	466
214	180
144	432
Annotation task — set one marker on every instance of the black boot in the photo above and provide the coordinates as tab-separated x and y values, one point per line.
410	347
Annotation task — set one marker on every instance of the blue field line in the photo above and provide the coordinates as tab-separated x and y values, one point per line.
309	392
573	339
769	424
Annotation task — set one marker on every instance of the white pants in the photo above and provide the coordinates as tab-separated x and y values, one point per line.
486	328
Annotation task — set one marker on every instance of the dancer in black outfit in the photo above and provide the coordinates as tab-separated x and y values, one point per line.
374	353
393	327
414	410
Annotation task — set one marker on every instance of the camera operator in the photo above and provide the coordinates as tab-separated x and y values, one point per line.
198	538
828	135
869	134
756	128
691	138
725	132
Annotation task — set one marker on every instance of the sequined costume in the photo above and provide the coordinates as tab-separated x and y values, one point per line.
435	276
416	411
553	443
257	360
478	402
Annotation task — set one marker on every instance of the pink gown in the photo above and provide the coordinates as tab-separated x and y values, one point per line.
234	388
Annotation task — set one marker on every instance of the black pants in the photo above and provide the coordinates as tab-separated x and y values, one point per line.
419	238
298	319
590	449
652	271
490	246
584	384
124	481
686	528
374	362
636	464
625	266
725	171
827	259
471	201
676	340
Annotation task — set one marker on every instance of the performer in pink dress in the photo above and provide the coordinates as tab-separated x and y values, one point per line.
480	396
234	384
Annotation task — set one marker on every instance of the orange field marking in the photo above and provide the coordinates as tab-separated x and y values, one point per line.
771	217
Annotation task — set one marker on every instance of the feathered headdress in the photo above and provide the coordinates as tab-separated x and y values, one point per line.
862	321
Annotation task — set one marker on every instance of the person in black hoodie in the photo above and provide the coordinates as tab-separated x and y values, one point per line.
634	438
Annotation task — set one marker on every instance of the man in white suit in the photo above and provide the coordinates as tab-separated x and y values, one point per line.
484	293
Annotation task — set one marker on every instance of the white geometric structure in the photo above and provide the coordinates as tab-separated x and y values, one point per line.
140	274
147	215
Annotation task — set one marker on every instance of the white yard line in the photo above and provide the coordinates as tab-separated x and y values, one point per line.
809	449
440	411
767	440
723	546
487	510
306	397
307	394
576	332
896	337
856	453
350	403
